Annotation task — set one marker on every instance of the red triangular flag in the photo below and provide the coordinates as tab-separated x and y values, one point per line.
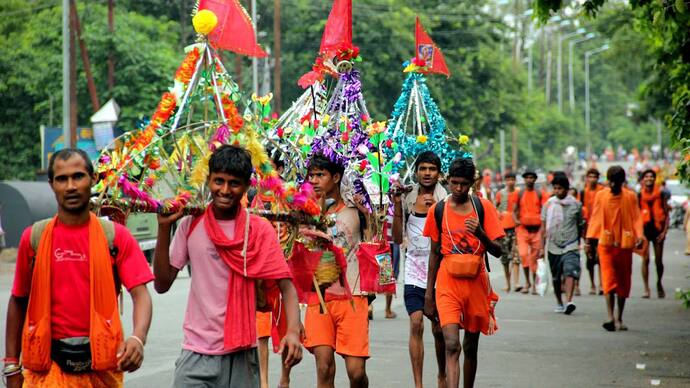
234	31
427	50
338	31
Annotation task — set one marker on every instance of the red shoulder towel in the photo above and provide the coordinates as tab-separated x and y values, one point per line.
262	259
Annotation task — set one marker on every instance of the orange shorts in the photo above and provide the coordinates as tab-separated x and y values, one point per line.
55	377
463	302
529	245
342	328
263	324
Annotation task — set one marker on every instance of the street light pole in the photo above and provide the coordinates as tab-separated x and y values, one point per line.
255	61
588	126
66	124
559	73
571	88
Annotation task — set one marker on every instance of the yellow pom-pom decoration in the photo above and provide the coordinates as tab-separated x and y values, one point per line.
204	21
421	139
463	139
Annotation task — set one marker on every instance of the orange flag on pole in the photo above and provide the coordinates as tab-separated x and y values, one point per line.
338	30
235	31
428	51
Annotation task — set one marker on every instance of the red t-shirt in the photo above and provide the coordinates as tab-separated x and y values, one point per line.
462	241
70	274
530	207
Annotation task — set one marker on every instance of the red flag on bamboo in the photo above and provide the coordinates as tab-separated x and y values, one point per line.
428	51
338	31
234	31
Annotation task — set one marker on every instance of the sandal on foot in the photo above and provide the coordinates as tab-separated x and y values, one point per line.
661	292
592	291
645	295
518	288
391	315
622	327
609	326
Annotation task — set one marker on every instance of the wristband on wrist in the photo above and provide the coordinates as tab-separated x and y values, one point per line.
10	360
134	337
11	370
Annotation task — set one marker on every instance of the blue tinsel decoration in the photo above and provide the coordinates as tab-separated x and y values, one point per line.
436	137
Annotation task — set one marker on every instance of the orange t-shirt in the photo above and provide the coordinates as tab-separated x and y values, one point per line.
615	219
463	241
530	208
588	200
506	216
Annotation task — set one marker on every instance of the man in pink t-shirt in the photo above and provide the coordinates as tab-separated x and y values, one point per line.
228	249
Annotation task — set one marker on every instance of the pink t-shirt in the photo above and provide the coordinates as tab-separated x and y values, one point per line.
70	274
204	320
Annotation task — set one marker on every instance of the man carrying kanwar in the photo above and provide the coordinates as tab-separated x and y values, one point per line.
229	249
592	187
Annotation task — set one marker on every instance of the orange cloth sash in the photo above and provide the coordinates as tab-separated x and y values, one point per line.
652	207
105	333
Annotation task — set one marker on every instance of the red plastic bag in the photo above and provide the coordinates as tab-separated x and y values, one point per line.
376	268
303	263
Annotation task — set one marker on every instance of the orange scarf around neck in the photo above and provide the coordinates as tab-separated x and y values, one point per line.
105	333
652	207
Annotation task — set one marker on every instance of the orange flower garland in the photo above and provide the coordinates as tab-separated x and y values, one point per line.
233	117
186	70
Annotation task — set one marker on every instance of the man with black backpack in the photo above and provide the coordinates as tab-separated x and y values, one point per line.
459	294
63	315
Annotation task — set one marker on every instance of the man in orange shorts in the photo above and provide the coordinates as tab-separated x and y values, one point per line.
615	221
458	291
344	327
528	214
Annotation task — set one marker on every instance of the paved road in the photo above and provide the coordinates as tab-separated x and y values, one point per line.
534	347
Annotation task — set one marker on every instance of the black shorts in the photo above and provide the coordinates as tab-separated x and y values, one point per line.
650	232
414	298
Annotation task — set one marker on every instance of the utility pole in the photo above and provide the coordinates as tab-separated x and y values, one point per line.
255	60
91	85
66	123
111	59
503	151
72	83
514	148
276	54
571	86
588	123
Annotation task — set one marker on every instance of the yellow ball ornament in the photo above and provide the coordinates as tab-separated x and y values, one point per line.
463	139
204	21
421	139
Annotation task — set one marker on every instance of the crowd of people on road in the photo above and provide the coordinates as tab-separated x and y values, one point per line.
64	328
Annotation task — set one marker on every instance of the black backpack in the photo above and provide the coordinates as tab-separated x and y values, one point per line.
438	217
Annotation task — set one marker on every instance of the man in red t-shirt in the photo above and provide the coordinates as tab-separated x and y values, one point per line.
60	272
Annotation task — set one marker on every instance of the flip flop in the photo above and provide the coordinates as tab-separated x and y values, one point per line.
518	288
391	315
645	295
592	292
609	326
661	292
622	327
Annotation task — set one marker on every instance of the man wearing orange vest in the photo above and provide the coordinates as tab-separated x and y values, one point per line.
63	315
528	215
654	210
592	187
615	222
